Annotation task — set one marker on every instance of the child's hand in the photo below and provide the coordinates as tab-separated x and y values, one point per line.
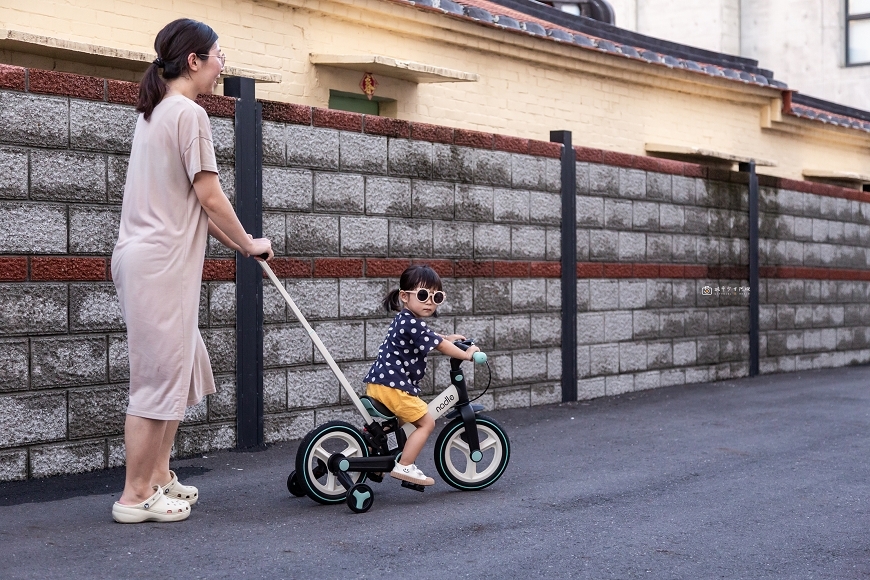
453	337
471	350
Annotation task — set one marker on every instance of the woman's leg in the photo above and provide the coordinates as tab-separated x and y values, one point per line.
141	439
161	467
416	440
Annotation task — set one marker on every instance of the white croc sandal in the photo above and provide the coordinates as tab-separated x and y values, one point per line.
157	508
176	490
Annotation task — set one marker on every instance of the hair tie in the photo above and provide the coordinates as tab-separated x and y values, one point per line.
158	62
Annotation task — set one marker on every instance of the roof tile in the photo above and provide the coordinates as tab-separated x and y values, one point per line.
478	14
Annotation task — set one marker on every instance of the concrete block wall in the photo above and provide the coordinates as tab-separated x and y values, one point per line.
351	200
649	239
352	209
815	309
347	211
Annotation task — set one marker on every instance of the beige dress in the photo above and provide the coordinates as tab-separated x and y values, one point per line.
157	262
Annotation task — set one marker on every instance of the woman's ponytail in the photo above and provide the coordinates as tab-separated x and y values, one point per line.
178	40
151	91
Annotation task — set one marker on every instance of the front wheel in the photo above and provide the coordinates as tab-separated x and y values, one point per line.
312	459
453	456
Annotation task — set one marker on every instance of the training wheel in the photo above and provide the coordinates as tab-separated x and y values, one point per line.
360	498
293	485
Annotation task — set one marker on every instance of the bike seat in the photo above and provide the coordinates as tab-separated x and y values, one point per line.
376	408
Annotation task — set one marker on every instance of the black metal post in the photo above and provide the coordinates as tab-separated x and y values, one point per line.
569	265
249	276
754	278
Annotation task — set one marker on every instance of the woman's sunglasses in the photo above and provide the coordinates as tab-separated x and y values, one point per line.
423	295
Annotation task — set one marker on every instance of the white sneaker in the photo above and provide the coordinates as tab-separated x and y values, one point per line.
411	474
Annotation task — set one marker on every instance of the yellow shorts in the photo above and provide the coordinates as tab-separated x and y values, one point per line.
407	408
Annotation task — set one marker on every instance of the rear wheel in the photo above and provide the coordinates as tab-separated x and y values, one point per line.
293	485
453	458
360	498
313	455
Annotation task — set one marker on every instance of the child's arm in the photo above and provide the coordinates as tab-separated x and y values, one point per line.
450	349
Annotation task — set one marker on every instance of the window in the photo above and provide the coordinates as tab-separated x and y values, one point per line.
353	103
359	103
857	32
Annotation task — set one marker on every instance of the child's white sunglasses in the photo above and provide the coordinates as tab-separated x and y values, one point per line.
423	295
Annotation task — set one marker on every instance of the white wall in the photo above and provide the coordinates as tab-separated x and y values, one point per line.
801	41
710	24
625	13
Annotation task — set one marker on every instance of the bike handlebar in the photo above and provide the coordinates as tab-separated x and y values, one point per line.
479	357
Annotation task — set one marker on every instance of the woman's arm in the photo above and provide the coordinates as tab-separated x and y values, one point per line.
222	218
220	236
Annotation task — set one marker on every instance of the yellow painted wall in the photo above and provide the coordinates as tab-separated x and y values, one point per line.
528	86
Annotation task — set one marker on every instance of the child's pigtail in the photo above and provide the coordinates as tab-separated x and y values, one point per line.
391	301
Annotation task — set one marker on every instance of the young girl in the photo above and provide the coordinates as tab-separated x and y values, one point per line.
394	378
172	201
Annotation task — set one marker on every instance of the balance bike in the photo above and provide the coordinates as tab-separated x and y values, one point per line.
335	459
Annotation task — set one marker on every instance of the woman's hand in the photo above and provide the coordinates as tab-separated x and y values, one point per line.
453	337
257	247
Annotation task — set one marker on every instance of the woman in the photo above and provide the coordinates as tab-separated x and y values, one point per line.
172	201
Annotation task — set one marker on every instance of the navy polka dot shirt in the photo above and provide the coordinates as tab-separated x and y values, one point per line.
401	361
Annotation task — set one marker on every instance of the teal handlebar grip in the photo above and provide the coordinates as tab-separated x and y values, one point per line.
479	357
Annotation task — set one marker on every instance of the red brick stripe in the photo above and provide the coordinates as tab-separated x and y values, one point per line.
376	268
375	125
473	138
286	113
545	269
511	269
73	269
290	268
123	92
219	269
433	133
471	269
511	144
338	268
66	84
337	120
67	269
12	77
444	268
545	149
217	105
13	269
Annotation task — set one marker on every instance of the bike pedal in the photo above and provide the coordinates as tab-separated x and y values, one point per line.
414	486
376	477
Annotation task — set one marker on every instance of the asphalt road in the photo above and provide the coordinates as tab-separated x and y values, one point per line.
753	478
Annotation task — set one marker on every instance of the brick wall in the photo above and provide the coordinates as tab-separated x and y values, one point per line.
349	201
